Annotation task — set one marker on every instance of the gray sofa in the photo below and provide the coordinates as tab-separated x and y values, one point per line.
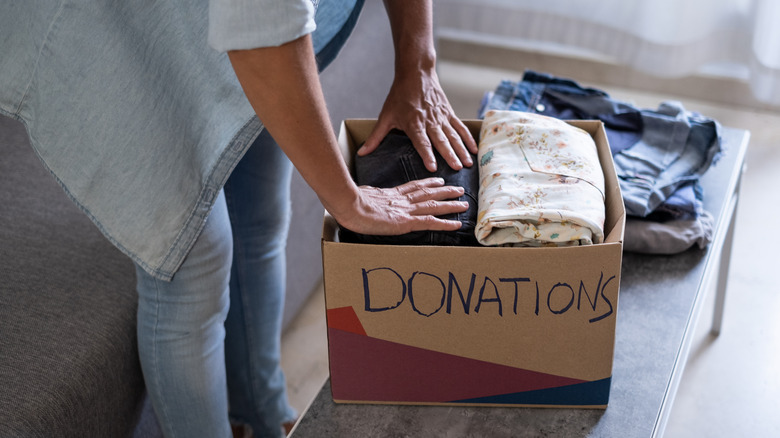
68	355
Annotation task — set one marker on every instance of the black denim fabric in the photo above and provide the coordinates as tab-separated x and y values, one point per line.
395	162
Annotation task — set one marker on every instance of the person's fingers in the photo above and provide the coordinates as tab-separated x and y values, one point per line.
422	144
437	208
464	134
456	143
432	223
379	132
452	140
411	186
435	194
429	188
412	206
442	144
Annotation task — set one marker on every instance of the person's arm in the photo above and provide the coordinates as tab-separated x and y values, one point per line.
416	102
283	87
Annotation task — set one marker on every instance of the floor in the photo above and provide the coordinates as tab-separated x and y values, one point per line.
731	386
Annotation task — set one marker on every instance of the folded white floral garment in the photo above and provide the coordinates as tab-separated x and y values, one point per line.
541	183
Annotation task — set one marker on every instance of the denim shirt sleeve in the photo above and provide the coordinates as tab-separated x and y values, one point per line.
248	24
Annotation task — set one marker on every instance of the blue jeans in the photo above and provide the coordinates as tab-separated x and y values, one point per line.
395	162
685	203
655	151
335	22
210	338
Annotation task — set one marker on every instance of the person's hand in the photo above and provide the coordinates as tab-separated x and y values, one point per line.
416	104
412	206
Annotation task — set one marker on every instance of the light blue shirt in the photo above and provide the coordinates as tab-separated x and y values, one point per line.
246	24
138	118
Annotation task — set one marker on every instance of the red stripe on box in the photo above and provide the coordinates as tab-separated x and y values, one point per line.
345	318
369	369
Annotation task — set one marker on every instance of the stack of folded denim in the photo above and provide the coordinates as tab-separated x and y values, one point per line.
541	183
394	162
659	156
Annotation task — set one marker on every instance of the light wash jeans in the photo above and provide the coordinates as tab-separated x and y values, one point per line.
209	340
237	263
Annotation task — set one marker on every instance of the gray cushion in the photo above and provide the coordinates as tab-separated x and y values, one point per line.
68	354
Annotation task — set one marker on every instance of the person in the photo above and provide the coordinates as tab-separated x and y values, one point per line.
179	154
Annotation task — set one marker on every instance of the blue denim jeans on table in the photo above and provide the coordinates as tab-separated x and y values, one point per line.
685	203
672	228
237	263
395	162
655	151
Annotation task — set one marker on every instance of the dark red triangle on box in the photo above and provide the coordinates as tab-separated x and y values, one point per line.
369	369
345	319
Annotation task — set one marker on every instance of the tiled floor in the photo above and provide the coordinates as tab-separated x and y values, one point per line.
731	387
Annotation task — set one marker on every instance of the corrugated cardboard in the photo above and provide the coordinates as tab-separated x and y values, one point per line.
489	326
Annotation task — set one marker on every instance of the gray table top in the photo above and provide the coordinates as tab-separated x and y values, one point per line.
657	295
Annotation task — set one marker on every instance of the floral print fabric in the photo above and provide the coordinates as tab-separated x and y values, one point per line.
541	182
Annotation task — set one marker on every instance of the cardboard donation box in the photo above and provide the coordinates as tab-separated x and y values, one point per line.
487	326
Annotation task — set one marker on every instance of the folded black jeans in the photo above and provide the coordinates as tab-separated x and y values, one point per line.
396	162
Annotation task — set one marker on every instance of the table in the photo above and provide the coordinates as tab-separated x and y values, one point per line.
661	298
